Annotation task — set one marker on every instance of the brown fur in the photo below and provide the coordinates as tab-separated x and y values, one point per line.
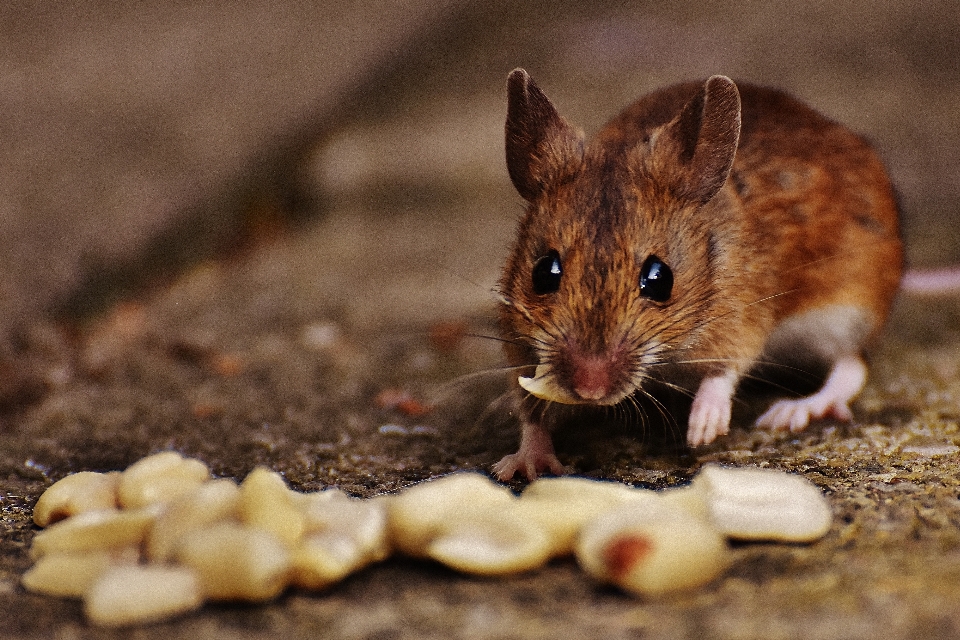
803	218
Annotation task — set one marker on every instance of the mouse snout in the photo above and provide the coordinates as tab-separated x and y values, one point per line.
592	377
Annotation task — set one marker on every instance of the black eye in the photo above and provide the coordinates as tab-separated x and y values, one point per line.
546	273
656	280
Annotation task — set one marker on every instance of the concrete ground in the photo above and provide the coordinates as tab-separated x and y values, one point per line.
380	278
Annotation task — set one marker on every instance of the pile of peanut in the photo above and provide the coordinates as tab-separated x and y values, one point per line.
159	539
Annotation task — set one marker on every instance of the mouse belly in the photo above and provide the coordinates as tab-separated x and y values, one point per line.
820	335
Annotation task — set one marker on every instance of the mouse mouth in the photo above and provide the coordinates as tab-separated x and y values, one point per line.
588	388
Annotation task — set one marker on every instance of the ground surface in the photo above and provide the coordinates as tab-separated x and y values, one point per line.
275	356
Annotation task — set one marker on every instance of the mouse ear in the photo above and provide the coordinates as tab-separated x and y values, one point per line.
704	139
540	144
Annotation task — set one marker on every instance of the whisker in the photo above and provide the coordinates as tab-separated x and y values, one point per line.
675	430
799	372
644	418
483	336
461	276
840	255
669	421
443	392
485	373
494	406
675	387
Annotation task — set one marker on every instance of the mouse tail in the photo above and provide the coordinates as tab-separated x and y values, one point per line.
932	281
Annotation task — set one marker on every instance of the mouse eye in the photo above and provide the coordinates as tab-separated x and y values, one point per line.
546	273
656	280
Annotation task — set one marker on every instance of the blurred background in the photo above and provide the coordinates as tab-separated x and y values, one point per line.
139	140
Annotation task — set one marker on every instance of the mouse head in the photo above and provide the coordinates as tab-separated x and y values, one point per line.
610	274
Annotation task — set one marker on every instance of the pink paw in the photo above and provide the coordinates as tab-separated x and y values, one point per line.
833	400
711	410
796	415
530	463
534	456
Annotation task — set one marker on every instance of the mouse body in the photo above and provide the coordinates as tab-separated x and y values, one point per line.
708	228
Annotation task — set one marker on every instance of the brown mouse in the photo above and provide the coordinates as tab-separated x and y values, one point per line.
709	227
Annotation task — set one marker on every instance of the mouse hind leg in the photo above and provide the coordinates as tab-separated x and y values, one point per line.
844	382
835	334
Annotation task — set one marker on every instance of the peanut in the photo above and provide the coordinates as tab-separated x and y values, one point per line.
209	503
95	530
364	520
70	575
136	594
492	542
420	513
267	503
469	523
343	535
563	505
235	562
326	558
76	493
651	549
764	504
160	478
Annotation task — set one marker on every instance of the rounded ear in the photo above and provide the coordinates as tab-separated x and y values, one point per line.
702	140
540	144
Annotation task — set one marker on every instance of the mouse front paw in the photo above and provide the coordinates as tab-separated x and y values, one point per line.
711	411
529	463
534	456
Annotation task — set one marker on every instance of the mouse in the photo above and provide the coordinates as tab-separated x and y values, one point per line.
708	229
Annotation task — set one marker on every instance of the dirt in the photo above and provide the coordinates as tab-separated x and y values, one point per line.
277	355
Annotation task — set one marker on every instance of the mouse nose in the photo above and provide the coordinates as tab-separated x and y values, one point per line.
592	376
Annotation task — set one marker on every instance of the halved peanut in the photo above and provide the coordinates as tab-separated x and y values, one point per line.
209	503
76	493
418	514
690	497
95	530
137	594
159	478
235	562
652	549
364	520
562	506
343	535
492	541
764	504
323	559
469	523
70	575
320	508
267	503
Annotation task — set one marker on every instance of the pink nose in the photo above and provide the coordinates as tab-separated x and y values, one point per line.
591	377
